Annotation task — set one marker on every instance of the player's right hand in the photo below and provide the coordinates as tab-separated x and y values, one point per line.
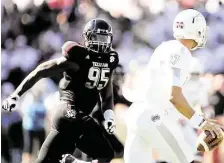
10	104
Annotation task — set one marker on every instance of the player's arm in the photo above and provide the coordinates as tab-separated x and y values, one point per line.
46	69
181	104
107	106
107	97
107	94
50	68
180	61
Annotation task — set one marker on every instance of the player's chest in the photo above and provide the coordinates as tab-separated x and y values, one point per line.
96	71
95	62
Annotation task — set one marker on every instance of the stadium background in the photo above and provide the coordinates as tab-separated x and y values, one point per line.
33	31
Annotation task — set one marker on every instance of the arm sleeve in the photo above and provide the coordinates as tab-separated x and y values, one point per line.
176	75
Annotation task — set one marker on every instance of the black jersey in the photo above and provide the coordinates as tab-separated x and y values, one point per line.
81	88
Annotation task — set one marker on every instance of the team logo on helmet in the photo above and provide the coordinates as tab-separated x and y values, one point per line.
180	25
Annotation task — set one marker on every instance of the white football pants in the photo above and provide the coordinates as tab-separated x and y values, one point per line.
147	129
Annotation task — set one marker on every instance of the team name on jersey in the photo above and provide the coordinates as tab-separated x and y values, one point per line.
97	64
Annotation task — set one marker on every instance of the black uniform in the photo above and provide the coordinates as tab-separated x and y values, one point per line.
80	91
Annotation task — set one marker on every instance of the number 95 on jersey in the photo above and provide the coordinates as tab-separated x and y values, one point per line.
98	78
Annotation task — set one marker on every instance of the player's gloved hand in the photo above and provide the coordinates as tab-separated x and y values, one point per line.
67	158
110	125
109	122
10	103
199	121
212	127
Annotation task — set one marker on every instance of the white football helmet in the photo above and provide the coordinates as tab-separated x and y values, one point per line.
191	24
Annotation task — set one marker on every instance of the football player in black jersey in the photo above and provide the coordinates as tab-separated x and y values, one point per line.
87	71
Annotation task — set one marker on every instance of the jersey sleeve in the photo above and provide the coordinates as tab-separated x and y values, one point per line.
114	59
176	77
69	49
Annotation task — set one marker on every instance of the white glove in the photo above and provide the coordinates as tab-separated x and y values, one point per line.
109	122
110	125
10	104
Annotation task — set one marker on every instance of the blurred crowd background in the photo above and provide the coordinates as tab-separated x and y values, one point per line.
33	31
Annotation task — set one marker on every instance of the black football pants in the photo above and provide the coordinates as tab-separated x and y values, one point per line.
71	130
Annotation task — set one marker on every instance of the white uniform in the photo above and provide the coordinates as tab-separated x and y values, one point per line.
149	124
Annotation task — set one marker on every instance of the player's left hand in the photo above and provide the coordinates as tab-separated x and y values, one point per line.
110	125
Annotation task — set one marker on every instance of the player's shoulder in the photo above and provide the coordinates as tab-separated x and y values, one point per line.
68	45
179	57
174	49
175	53
174	46
70	48
113	52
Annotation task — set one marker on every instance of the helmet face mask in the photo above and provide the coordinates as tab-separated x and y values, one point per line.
98	36
99	42
203	39
191	24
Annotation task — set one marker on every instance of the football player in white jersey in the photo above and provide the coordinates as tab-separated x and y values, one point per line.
149	125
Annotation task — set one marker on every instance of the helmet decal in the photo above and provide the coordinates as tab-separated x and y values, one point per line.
180	25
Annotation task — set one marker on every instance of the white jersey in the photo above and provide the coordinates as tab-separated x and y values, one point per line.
158	78
148	124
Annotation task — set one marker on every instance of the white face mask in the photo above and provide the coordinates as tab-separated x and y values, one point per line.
99	42
202	40
101	38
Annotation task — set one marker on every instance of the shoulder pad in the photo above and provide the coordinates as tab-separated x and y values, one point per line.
69	47
173	46
113	52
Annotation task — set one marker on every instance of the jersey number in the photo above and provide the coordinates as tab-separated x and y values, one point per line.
174	59
99	77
